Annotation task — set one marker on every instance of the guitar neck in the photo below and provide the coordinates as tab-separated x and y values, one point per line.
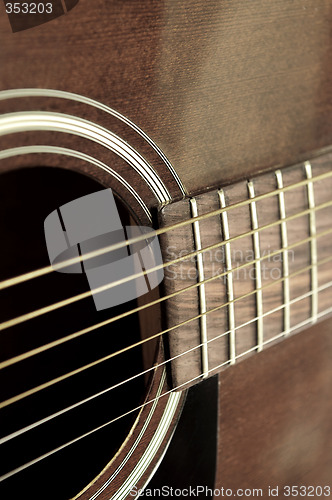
258	267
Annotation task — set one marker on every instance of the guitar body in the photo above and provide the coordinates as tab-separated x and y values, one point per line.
224	91
266	434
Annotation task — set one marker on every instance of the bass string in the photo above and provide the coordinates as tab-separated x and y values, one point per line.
75	335
48	269
63	303
61	378
42	421
181	386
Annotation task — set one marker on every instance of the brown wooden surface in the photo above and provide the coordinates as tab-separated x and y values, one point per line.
275	426
225	88
179	242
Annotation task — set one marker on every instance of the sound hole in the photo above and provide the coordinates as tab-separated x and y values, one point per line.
27	197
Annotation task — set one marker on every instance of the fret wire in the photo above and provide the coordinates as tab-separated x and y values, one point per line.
45	385
284	243
313	245
276	337
45	310
315	289
258	269
89	433
229	278
94	396
75	335
201	289
48	269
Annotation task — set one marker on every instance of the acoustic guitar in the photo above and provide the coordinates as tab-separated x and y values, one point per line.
210	123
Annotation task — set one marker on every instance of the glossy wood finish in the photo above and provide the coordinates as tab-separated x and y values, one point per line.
272	293
275	425
224	88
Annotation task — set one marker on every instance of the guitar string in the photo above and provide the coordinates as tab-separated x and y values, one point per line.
29	427
56	380
199	283
75	335
63	303
48	269
89	433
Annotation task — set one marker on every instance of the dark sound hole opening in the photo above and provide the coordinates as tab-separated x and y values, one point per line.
27	197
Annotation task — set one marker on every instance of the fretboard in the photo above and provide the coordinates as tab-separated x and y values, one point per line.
259	267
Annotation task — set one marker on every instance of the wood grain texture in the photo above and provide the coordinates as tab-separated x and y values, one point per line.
275	416
278	311
225	88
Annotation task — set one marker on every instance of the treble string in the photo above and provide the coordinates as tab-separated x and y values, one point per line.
143	238
75	335
48	269
157	398
163	363
56	380
63	303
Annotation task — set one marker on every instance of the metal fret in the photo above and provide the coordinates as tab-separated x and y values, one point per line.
313	243
201	290
258	272
284	243
229	279
262	309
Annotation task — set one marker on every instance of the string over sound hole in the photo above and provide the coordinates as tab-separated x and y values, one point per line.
68	408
